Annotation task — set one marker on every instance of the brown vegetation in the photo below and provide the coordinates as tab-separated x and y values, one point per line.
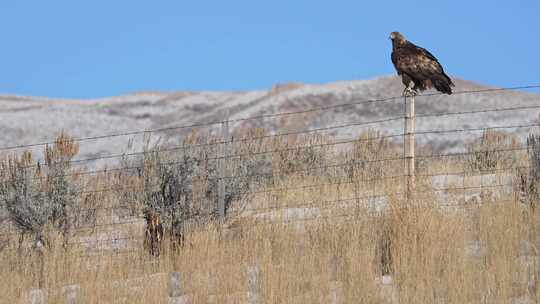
307	214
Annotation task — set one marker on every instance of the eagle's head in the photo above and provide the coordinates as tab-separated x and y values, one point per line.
397	37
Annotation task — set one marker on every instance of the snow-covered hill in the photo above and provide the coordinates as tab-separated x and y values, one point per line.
25	120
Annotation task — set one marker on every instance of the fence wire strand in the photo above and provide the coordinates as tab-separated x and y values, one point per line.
366	193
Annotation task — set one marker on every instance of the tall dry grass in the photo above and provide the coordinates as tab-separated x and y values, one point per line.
435	258
329	243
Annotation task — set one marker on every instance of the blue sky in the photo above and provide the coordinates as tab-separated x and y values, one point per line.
87	49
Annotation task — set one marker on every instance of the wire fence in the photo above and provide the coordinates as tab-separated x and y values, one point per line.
293	176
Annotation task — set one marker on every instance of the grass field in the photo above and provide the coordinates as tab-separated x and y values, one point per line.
310	235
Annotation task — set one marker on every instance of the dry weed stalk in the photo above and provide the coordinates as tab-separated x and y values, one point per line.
343	235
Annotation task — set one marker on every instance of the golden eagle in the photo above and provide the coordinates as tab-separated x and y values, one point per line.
418	68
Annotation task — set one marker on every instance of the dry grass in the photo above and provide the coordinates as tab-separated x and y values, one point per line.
334	243
431	261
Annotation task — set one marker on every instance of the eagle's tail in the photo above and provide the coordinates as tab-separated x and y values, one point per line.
443	84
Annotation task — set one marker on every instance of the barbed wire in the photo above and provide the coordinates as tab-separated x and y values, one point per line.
263	116
235	141
315	205
140	219
318	145
282	172
198	125
477	111
483	129
456	154
321	185
143	186
185	147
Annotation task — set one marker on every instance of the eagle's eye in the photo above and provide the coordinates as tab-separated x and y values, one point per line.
392	36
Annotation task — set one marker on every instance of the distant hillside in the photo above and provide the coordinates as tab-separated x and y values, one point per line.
25	120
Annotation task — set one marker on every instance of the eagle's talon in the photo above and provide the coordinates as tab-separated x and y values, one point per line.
405	93
409	92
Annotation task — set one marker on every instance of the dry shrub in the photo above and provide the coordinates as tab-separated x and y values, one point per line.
250	164
182	184
422	247
494	150
37	196
374	156
530	179
299	155
173	183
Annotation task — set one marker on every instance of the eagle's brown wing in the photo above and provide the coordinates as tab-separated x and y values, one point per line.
422	67
395	61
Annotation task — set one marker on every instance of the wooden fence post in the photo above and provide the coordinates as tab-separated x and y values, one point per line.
223	166
408	144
